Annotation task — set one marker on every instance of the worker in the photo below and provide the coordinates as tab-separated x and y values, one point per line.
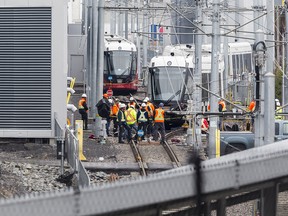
83	110
150	109
131	118
104	109
221	108
113	115
159	123
208	107
278	109
221	105
142	120
122	124
149	104
252	106
132	102
109	118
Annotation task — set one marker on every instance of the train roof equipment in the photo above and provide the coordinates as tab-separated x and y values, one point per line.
116	42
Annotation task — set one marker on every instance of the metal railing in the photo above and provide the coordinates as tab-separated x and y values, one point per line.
73	158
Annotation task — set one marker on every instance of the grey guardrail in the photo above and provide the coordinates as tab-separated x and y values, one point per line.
228	173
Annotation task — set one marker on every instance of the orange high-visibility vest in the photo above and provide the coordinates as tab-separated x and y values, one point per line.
252	106
159	115
223	104
80	104
115	109
151	106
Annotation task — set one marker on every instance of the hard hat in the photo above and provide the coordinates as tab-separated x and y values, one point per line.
122	105
131	98
146	98
105	95
110	100
132	106
145	101
84	96
161	105
116	99
276	100
143	105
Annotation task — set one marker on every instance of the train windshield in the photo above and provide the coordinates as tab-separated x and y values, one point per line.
167	83
120	62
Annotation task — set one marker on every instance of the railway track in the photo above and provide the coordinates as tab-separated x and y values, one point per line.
140	158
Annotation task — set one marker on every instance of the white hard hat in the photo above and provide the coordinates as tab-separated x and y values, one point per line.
276	100
122	105
146	98
143	105
110	100
132	106
145	101
131	98
84	96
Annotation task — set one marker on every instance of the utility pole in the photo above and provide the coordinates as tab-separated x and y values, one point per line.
285	83
214	128
113	15
139	66
120	20
269	195
225	52
94	31
145	29
197	97
258	8
89	52
270	69
100	62
126	21
259	55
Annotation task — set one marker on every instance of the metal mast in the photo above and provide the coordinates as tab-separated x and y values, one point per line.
100	61
285	94
214	128
94	58
197	97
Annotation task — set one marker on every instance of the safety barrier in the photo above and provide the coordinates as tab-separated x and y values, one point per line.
230	178
73	158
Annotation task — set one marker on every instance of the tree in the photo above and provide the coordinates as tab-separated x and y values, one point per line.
278	83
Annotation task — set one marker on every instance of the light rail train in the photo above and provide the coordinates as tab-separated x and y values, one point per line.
120	65
170	76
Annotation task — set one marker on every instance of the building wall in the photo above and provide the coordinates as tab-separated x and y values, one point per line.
58	68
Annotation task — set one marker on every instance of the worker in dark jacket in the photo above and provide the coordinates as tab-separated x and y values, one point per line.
83	109
142	120
122	124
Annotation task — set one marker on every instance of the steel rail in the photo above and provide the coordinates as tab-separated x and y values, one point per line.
171	154
138	157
